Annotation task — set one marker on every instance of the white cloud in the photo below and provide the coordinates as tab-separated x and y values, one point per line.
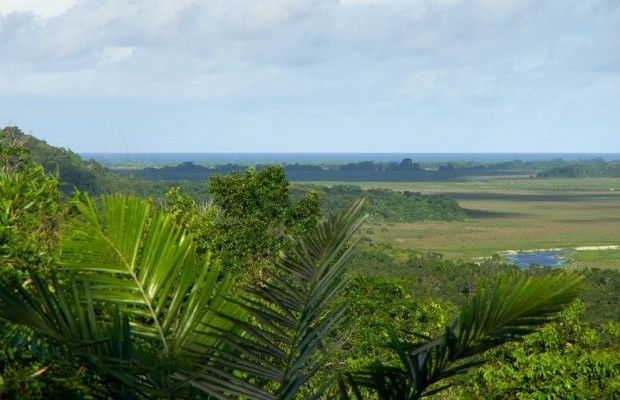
40	8
402	58
494	11
115	54
249	44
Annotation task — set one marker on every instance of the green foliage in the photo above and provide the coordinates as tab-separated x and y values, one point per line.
17	379
128	301
498	313
13	154
129	304
432	275
29	207
25	377
138	309
427	275
19	150
29	213
296	310
449	280
565	360
388	205
602	295
144	265
375	302
111	183
198	220
257	215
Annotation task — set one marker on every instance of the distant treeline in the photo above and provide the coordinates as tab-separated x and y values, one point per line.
596	168
309	173
405	171
94	178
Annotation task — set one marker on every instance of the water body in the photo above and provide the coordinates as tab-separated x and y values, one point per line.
543	258
252	158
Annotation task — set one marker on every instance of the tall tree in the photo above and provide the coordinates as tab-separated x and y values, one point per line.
257	215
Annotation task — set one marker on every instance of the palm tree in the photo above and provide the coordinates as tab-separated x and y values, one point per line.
498	313
127	298
131	301
295	314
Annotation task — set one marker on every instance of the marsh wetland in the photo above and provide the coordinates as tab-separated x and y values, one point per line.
514	213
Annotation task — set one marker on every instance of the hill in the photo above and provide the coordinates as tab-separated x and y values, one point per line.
71	169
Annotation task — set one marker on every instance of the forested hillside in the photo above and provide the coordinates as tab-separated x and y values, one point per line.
72	170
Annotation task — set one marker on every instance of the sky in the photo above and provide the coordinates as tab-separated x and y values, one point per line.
313	75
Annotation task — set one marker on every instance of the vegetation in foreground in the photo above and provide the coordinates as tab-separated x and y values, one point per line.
94	310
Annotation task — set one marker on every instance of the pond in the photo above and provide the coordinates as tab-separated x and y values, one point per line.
543	258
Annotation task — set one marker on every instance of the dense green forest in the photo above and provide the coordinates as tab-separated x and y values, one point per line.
256	292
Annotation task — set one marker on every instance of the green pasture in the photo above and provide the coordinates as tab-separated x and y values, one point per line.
596	258
500	183
513	213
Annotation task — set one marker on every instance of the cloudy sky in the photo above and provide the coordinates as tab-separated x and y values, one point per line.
313	75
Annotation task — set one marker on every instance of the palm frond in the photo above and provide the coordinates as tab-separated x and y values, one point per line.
127	275
294	315
62	316
143	263
499	312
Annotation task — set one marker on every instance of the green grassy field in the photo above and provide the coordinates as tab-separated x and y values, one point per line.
514	213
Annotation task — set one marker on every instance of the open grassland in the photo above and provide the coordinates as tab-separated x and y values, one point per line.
514	213
596	258
493	184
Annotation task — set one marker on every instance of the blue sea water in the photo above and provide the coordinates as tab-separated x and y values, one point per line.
315	158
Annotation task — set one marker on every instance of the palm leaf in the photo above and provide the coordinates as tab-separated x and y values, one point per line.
499	312
143	263
127	275
294	317
64	320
